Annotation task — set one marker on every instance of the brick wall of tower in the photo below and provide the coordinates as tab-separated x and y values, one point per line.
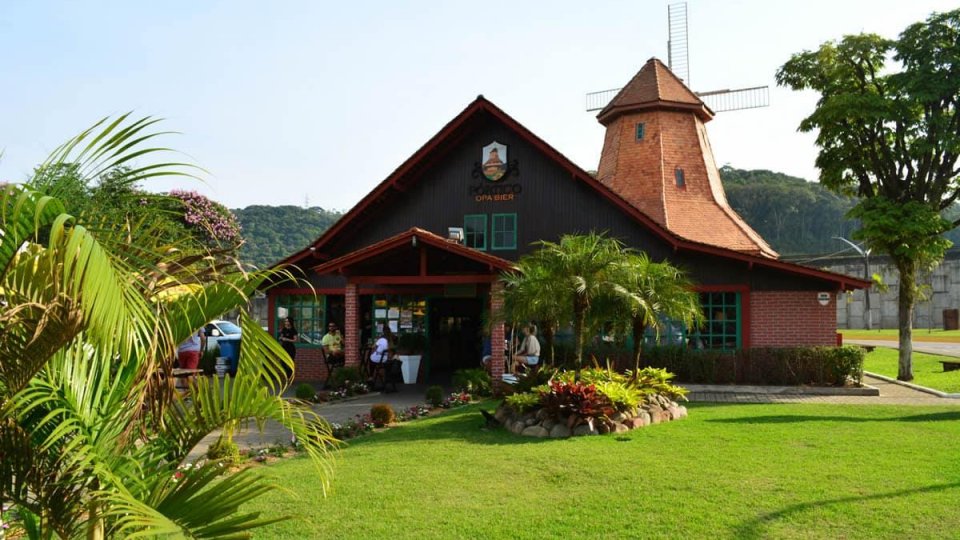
791	319
633	168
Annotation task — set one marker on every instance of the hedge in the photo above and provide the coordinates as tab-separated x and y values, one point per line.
814	366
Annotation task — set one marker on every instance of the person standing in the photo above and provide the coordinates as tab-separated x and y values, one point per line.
188	352
288	338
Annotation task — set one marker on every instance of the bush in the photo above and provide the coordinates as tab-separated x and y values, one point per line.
305	391
208	360
435	395
523	402
342	376
816	366
475	381
623	398
382	414
225	451
527	382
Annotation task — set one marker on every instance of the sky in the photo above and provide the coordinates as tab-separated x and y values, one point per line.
314	103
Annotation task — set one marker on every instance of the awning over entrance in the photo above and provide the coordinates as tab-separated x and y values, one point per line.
417	258
413	257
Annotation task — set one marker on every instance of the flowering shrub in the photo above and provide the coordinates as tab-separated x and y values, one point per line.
349	389
413	413
7	516
456	399
210	218
352	428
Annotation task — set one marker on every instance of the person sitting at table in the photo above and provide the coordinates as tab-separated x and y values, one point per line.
332	343
381	350
189	352
529	352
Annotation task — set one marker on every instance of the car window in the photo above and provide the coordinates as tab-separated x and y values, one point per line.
228	328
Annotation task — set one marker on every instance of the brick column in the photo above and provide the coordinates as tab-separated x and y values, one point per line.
497	361
351	326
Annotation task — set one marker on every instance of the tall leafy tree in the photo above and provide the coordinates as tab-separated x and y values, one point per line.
91	433
892	137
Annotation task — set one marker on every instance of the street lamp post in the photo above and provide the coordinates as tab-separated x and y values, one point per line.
866	275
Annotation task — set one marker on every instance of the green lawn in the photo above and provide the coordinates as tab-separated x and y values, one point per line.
927	370
919	334
727	471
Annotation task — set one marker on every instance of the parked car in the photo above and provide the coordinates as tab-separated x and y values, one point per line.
217	329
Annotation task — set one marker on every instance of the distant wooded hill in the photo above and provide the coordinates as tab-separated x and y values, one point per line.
274	232
795	216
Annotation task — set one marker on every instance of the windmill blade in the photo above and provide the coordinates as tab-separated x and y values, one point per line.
599	100
735	100
678	57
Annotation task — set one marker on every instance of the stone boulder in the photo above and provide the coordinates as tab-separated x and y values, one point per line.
536	431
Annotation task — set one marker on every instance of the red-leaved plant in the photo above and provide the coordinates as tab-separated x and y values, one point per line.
578	403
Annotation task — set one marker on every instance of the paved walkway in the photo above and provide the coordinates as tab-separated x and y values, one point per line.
942	348
890	394
335	412
410	395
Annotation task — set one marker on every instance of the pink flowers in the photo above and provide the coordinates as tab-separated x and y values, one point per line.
211	217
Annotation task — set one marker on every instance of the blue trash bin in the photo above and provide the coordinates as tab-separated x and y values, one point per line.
230	347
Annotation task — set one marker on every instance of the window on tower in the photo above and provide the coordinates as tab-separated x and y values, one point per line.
640	130
678	174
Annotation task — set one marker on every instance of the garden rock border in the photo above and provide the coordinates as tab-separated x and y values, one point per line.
657	410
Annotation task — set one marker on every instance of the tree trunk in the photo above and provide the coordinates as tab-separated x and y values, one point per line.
548	335
578	318
638	329
906	302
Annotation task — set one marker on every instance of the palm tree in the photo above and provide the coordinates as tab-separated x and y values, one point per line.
531	294
567	277
660	291
91	436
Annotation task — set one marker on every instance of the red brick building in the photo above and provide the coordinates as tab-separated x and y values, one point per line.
389	260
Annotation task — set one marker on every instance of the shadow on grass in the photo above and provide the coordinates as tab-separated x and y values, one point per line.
462	424
792	419
756	527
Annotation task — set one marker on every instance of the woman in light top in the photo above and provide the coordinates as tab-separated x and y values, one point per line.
381	351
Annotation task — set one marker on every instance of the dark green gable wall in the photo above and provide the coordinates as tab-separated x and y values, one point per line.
551	204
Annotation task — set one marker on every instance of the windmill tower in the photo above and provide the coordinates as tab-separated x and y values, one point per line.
678	60
657	156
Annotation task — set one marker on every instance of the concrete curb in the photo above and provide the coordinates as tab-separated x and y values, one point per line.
916	387
864	390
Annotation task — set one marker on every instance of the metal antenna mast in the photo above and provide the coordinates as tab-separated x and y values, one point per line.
678	60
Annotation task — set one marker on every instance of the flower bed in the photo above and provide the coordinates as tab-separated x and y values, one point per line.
599	401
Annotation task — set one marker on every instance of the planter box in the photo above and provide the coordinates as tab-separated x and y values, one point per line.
410	367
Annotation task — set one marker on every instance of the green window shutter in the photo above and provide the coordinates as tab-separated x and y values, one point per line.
504	232
722	327
475	231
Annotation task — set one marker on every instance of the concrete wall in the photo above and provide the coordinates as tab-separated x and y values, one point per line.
941	286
